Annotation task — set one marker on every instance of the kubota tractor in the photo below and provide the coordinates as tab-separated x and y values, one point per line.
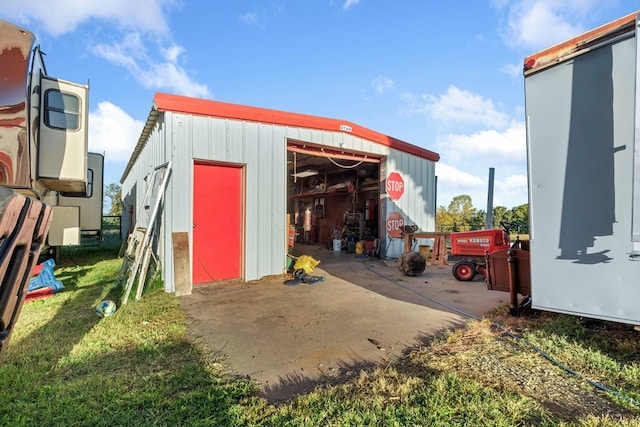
468	250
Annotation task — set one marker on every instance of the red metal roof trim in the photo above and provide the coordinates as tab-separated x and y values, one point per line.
555	54
204	107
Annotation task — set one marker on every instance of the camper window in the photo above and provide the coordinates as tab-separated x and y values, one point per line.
62	110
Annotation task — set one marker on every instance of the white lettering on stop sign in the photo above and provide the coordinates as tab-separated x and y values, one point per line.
395	186
395	222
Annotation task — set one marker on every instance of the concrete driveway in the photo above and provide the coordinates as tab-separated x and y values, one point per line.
366	313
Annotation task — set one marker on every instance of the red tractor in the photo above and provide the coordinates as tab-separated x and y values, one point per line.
469	248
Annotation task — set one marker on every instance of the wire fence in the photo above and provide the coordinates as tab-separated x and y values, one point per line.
111	228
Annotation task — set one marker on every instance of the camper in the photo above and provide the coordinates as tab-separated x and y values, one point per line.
48	180
583	146
87	206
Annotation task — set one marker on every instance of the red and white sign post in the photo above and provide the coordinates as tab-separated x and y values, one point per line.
395	222
395	186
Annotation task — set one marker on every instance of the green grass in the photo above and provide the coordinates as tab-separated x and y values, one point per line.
393	398
67	367
605	352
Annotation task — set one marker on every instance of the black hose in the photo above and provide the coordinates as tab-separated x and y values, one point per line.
518	339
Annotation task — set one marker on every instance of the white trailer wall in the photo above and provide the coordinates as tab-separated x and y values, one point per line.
580	121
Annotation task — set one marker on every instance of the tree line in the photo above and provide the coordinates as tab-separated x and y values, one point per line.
460	215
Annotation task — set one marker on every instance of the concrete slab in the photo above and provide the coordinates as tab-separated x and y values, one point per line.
292	338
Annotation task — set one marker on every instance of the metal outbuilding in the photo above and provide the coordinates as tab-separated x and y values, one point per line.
246	183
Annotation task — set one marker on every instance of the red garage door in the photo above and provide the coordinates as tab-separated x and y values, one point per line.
217	222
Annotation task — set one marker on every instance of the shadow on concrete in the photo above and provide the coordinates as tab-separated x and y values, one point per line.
292	385
292	339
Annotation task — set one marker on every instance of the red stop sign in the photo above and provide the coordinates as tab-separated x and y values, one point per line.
395	222
395	185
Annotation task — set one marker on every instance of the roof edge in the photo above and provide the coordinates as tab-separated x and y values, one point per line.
555	54
142	140
204	107
164	102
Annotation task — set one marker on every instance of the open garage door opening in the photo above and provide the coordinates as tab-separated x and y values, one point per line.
333	194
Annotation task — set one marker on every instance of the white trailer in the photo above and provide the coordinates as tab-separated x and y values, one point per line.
46	174
87	205
583	145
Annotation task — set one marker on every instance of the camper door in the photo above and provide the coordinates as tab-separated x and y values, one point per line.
63	135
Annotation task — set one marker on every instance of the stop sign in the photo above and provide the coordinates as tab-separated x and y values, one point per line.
395	222
395	186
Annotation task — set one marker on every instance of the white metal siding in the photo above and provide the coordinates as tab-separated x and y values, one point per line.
580	122
417	204
134	187
261	148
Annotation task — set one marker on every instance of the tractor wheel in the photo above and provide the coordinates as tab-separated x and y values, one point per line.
464	270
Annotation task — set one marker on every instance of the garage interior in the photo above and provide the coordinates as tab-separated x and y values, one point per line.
332	195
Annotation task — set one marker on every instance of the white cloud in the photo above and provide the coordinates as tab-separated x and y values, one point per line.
510	191
348	4
123	53
252	19
456	179
260	20
249	18
381	84
458	108
113	131
512	70
132	54
172	53
512	188
506	146
474	154
172	76
475	136
536	24
66	15
147	17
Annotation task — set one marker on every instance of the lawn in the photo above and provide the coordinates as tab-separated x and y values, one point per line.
65	366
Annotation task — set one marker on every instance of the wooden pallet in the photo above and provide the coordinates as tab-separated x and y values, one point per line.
439	254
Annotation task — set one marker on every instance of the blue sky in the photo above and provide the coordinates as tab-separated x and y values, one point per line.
444	75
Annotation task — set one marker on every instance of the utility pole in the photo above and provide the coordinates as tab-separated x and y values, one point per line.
489	224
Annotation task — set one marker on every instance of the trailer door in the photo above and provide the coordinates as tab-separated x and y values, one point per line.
63	135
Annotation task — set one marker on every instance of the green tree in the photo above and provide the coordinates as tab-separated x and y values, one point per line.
520	218
114	193
462	211
478	220
501	214
462	216
444	221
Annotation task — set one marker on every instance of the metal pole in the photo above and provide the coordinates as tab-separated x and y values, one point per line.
489	224
635	205
513	282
